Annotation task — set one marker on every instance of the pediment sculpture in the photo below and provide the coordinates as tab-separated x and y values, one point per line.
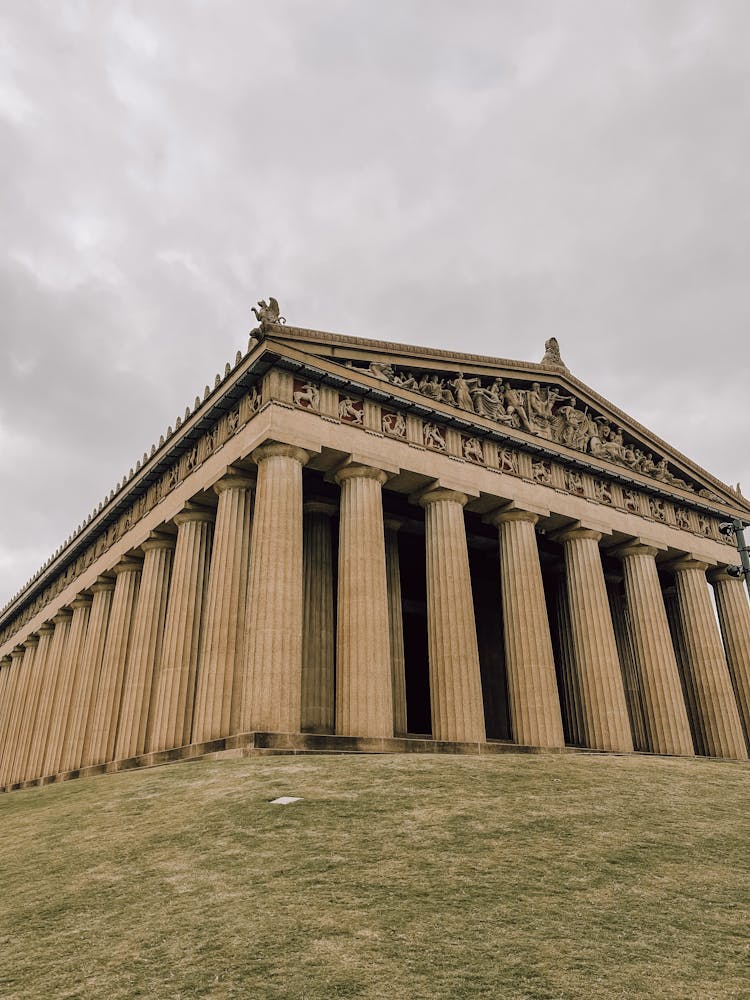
539	409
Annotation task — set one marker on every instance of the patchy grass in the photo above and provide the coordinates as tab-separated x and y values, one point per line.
400	877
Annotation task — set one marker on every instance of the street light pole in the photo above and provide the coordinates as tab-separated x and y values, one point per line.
735	527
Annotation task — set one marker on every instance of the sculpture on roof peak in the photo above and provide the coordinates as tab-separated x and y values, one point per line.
267	314
552	357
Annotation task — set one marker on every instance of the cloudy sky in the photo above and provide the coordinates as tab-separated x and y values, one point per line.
478	176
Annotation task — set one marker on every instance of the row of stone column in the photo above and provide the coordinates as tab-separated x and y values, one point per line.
201	639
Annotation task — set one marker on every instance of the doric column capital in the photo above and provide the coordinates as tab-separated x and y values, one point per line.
193	512
440	494
31	640
46	628
320	507
82	601
356	471
17	651
5	661
277	449
501	516
576	533
102	582
634	548
128	564
156	540
685	563
234	479
63	615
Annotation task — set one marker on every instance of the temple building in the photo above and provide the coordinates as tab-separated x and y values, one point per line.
348	544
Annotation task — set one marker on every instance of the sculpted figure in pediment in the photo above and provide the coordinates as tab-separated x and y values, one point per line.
381	370
571	426
463	389
406	380
489	402
514	405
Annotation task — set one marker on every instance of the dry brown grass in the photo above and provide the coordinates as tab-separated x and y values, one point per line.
397	877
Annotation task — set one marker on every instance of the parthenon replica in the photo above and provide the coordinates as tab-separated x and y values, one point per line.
354	545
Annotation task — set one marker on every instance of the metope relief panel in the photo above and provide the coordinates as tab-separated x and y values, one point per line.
472	450
433	437
393	424
351	411
306	395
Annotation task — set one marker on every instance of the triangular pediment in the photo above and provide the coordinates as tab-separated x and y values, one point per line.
540	406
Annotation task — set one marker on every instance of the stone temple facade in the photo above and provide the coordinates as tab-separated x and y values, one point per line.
356	545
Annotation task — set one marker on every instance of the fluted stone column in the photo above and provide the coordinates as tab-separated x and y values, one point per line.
626	652
665	714
318	629
175	682
734	619
69	670
535	714
272	683
17	749
672	606
604	713
145	647
395	624
706	663
49	692
364	686
567	674
24	761
8	685
455	678
100	746
218	692
17	684
85	688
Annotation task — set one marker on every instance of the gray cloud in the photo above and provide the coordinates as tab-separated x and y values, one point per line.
477	176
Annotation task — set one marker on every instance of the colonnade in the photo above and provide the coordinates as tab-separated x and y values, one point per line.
226	622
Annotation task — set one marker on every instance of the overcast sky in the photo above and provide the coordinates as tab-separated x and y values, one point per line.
475	175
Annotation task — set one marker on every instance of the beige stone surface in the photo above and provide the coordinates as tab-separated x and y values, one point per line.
626	652
147	633
31	673
8	684
217	698
175	681
318	626
364	691
69	675
664	711
271	685
706	664
102	732
395	624
535	713
603	711
84	689
734	618
49	692
455	679
568	686
248	630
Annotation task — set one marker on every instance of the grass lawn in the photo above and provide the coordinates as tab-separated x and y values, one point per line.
399	877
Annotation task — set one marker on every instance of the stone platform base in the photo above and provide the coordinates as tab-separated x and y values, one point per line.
269	744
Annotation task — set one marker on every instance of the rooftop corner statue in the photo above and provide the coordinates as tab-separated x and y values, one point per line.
267	314
349	544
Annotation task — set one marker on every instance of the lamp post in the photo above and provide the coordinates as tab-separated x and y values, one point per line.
735	527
